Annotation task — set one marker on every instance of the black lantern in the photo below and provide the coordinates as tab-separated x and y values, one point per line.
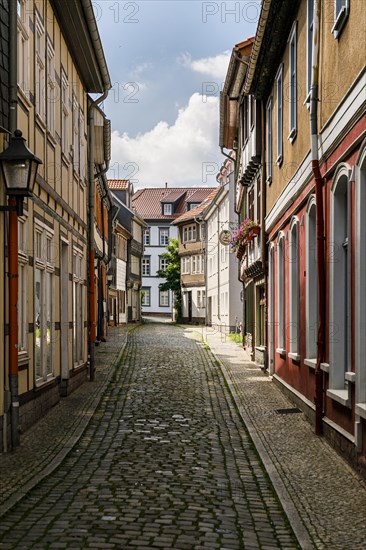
19	167
110	274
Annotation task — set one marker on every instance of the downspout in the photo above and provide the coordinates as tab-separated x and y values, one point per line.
320	238
263	234
13	249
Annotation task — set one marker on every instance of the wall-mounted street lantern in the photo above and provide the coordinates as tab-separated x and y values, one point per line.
110	274
19	169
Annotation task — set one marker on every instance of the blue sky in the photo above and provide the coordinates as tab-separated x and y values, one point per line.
167	61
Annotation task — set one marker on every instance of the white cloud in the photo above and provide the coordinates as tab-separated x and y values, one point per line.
215	66
184	153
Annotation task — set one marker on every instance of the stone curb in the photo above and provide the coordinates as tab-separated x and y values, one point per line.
72	440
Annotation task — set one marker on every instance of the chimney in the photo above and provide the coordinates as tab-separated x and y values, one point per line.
166	185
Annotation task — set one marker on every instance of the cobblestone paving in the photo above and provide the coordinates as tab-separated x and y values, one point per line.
165	462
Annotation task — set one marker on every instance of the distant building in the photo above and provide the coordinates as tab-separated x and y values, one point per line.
159	207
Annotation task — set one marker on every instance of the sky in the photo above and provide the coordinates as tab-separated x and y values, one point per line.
168	61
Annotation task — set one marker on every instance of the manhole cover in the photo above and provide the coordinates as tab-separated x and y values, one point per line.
290	410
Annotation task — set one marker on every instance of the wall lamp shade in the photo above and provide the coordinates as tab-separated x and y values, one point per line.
19	167
110	275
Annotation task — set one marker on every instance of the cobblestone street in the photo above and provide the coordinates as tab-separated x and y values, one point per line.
165	462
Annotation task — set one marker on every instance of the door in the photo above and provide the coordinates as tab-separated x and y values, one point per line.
190	306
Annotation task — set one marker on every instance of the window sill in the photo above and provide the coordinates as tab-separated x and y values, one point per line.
361	409
279	160
281	352
40	383
294	356
341	396
340	22
350	377
310	363
23	358
292	135
22	94
307	101
40	122
324	367
269	180
51	140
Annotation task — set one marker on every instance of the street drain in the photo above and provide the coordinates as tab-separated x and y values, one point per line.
290	410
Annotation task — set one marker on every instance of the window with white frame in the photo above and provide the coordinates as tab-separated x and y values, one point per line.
75	134
163	263
197	264
23	263
360	282
43	304
40	68
23	46
202	231
186	265
82	145
163	236
281	294
201	299
51	89
294	266
293	83
164	298
341	12
146	266
78	305
309	49
192	205
146	296
269	141
64	113
189	233
339	333
311	281
279	90
168	209
147	236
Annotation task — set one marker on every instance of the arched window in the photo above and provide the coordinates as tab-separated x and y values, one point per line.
338	287
360	283
311	282
281	337
294	260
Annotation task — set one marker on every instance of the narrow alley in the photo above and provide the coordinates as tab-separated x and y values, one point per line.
165	462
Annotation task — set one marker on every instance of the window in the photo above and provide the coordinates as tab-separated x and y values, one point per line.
146	266
75	134
78	305
189	233
40	82
64	113
145	296
201	299
147	237
311	281
339	345
197	264
22	286
269	141
202	231
23	47
168	209
279	88
82	146
293	83
163	263
281	294
309	50
294	290
192	205
164	298
43	304
360	283
51	89
163	236
341	12
186	265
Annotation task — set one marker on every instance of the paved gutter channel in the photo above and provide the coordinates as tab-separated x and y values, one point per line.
85	400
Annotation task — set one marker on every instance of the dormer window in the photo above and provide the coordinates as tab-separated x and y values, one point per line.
192	205
168	209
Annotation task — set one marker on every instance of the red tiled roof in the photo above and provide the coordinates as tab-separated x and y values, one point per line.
148	202
191	214
118	184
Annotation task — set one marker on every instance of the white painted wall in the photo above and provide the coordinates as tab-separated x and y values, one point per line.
154	250
223	286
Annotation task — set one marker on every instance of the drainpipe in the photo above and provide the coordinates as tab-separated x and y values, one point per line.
320	238
263	235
